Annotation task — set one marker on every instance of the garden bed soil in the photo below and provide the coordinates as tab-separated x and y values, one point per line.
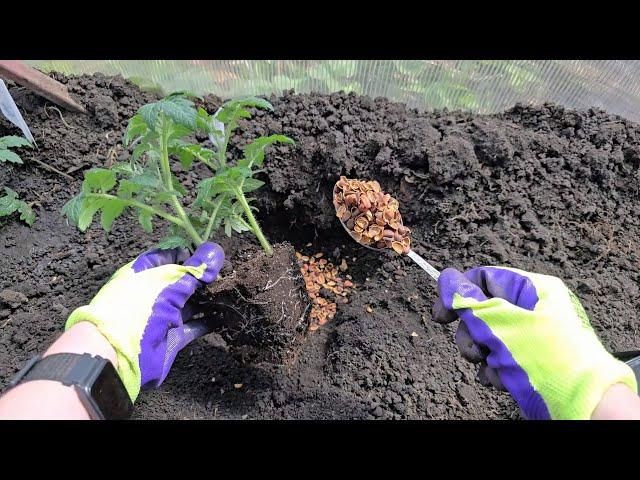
541	188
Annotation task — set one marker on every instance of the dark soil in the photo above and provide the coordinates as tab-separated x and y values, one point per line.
541	188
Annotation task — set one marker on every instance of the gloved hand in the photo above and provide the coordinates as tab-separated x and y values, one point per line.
141	311
533	338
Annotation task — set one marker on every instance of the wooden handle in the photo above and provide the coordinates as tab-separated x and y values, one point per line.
39	83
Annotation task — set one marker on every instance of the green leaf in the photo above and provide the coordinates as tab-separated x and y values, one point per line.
145	180
204	192
10	203
153	162
255	102
9	156
251	184
89	208
12	141
144	217
186	159
221	206
145	146
173	241
197	223
176	132
126	168
26	213
127	188
178	186
167	196
237	224
232	110
149	113
184	155
135	128
186	152
99	179
182	113
175	107
72	209
254	152
203	120
210	187
238	173
236	208
175	230
242	113
111	209
184	93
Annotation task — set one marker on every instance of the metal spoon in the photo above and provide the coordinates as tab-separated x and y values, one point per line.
426	266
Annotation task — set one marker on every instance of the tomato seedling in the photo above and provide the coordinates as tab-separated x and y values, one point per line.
12	141
9	202
146	185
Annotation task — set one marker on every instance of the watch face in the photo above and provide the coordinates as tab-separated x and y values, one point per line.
109	394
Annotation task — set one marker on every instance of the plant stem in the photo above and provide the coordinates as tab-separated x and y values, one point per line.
166	170
141	206
222	152
205	161
207	232
253	222
243	222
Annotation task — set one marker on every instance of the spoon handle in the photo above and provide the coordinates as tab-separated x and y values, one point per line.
426	266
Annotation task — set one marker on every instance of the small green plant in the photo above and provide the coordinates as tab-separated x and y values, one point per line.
10	203
11	141
146	185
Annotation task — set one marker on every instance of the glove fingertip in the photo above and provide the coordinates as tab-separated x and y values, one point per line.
469	350
453	281
490	377
441	314
210	254
157	257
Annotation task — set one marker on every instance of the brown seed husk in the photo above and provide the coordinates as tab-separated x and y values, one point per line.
372	216
324	286
397	246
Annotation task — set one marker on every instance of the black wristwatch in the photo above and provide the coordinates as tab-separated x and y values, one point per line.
99	386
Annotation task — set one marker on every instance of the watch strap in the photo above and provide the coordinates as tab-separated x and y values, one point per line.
80	371
66	368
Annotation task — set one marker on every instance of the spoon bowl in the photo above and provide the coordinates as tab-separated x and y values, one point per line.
422	263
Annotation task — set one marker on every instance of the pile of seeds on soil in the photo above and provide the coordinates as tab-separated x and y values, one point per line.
325	287
542	188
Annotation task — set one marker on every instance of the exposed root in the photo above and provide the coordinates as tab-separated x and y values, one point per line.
270	285
247	300
59	113
232	308
52	169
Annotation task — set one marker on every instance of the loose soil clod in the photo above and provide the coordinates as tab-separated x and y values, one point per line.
371	215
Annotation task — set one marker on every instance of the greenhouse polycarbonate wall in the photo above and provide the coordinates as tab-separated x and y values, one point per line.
484	86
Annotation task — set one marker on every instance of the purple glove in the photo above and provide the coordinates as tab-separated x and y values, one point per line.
531	337
143	311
